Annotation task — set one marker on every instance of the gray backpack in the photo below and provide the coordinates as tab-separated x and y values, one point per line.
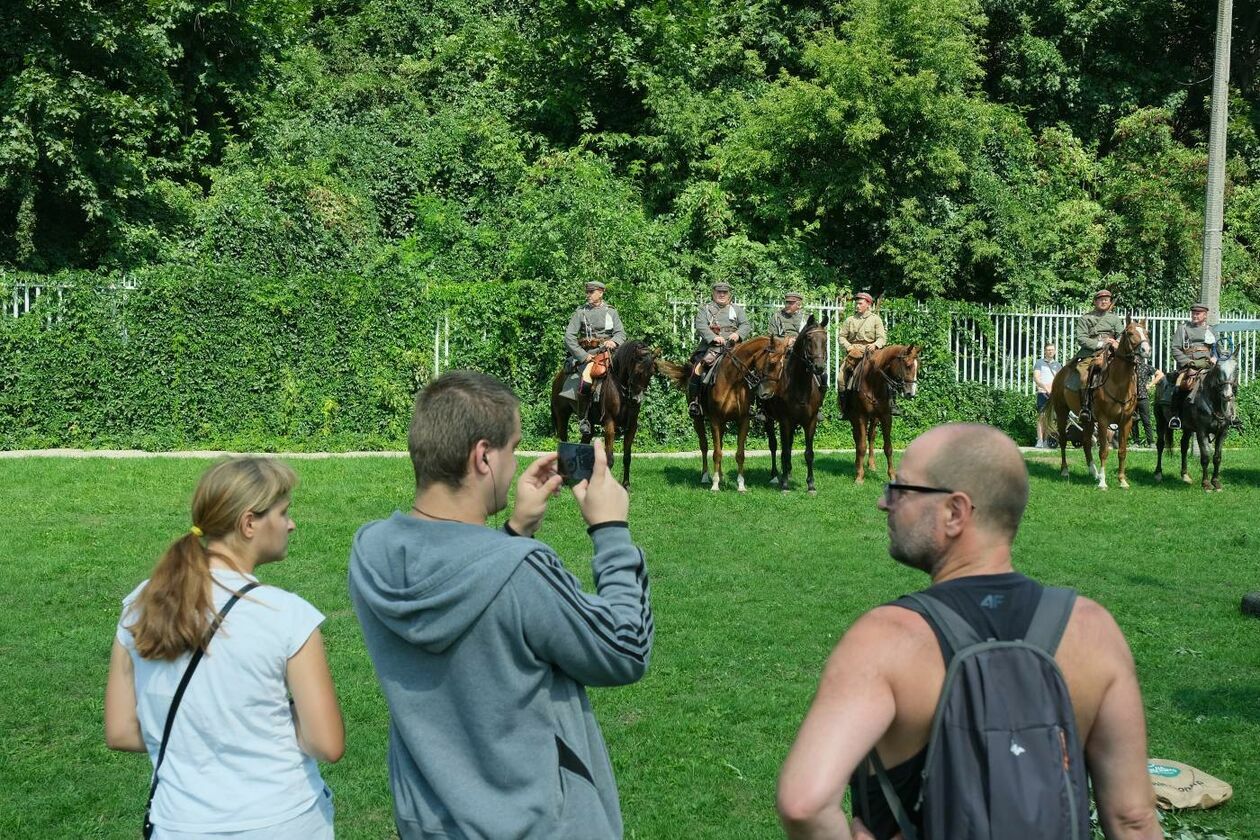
1003	758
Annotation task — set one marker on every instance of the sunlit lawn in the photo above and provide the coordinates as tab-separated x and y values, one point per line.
751	591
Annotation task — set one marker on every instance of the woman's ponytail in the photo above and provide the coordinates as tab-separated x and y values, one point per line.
174	610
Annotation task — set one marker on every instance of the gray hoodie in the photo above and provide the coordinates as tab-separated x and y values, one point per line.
483	643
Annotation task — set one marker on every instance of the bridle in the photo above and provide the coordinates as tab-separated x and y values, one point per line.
1133	348
1222	390
816	369
903	381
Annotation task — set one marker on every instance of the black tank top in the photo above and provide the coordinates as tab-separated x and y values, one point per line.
997	607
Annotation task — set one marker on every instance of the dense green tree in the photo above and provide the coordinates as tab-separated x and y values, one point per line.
109	112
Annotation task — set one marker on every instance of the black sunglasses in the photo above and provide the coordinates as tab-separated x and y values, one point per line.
893	486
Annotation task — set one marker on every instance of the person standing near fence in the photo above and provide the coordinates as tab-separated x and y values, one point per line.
1044	371
1142	412
240	759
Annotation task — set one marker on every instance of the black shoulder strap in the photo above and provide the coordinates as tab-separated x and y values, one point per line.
957	632
890	796
179	694
1051	618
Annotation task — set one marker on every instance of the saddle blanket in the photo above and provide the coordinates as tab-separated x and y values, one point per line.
569	389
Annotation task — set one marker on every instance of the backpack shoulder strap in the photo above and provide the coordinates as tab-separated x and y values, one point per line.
957	632
1050	618
890	796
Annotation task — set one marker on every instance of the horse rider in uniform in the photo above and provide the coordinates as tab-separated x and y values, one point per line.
719	325
860	334
595	328
1194	350
1095	332
790	320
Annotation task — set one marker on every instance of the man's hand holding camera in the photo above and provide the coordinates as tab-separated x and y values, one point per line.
602	498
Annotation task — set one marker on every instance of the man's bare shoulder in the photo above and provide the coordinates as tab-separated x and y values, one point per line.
1093	652
1091	623
887	630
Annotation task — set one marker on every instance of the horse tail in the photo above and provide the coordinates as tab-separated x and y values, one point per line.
677	374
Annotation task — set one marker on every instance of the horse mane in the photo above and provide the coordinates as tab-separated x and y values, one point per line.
887	353
624	358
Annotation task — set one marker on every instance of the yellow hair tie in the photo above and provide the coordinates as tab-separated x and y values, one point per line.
195	531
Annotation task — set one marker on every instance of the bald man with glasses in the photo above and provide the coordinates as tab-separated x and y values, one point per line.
953	513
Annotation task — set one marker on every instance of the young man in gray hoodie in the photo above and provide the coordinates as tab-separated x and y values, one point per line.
484	643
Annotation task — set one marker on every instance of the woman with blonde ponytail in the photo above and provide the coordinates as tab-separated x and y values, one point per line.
240	760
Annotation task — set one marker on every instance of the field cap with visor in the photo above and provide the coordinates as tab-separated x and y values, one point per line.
721	286
593	285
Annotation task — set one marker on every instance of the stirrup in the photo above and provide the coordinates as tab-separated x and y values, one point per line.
584	427
1174	422
694	409
1074	420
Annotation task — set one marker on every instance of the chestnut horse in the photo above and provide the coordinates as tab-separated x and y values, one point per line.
728	398
1112	404
628	378
799	380
880	375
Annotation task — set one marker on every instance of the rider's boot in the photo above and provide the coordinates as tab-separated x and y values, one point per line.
693	396
583	406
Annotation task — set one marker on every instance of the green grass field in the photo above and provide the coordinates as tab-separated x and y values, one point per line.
751	592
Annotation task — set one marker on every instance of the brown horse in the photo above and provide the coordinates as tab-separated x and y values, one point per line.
728	398
1112	404
882	373
799	379
628	378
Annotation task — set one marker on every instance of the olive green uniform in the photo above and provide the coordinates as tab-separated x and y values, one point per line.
1192	346
860	331
784	325
592	325
1092	331
729	320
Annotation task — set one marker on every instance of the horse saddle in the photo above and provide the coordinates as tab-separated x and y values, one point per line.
1189	379
569	390
600	363
1072	379
713	358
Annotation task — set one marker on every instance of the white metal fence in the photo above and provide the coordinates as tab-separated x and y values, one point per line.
998	348
1001	349
24	295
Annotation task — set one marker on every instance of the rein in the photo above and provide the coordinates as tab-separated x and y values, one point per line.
898	382
1131	358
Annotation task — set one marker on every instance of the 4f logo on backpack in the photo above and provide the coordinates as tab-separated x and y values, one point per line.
1003	757
991	601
